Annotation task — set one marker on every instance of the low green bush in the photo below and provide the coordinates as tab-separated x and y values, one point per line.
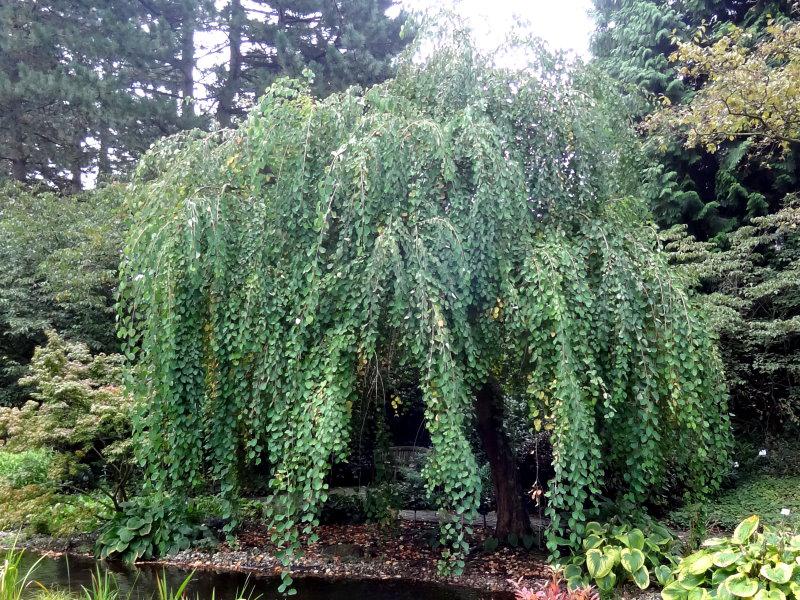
616	553
29	467
762	495
761	565
40	509
148	527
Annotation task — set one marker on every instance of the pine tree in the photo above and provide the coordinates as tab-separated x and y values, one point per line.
86	87
342	43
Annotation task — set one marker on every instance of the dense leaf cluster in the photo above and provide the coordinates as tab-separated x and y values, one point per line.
464	221
86	87
753	286
721	71
58	270
78	413
748	564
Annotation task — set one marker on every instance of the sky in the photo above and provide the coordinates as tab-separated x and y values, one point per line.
563	24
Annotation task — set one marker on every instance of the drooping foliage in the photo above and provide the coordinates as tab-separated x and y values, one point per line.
467	222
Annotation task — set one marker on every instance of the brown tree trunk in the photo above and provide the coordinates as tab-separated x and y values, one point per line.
19	168
512	517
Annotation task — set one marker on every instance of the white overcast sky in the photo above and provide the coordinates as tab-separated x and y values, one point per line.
563	24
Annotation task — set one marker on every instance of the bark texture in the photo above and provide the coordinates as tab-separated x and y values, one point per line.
512	517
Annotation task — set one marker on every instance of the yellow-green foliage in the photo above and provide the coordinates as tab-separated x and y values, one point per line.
750	90
764	565
78	411
613	554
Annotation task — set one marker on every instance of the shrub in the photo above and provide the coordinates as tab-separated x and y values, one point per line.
614	554
554	589
18	469
78	411
147	527
41	509
752	286
750	564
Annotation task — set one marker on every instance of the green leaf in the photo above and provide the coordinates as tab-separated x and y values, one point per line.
125	534
663	574
632	560
699	594
674	591
726	558
607	582
690	581
636	539
745	530
641	577
575	583
723	593
597	564
594	527
780	573
701	564
592	541
741	585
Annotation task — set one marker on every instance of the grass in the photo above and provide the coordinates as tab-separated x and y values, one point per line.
165	592
13	581
103	586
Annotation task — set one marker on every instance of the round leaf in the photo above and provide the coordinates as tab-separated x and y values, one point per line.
726	558
741	585
632	560
780	573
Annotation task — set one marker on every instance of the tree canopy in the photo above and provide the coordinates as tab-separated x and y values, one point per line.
474	224
750	90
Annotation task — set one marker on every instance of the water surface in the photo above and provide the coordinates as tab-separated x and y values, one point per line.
139	583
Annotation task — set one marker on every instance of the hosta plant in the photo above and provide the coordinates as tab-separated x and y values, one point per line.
763	565
613	554
147	527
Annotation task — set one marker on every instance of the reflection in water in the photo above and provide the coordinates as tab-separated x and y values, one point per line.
140	583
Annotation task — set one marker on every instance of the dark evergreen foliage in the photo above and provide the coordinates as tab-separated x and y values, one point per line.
86	87
711	193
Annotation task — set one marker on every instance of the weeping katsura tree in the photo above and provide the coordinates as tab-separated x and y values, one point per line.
471	224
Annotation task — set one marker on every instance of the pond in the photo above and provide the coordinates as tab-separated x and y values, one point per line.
135	583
